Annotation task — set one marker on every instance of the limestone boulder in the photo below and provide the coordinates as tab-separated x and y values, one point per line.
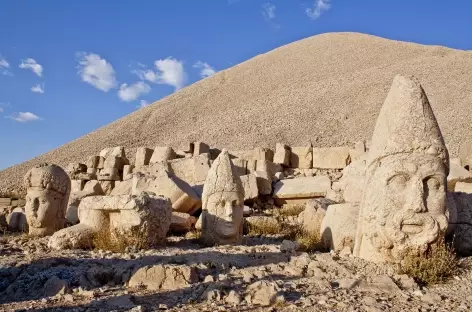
16	220
353	180
200	148
331	157
162	154
143	156
301	157
314	213
92	162
463	187
91	188
282	155
264	182
249	182
164	277
182	222
339	226
300	190
191	170
262	153
263	293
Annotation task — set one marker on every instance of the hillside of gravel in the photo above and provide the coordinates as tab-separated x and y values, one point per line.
326	89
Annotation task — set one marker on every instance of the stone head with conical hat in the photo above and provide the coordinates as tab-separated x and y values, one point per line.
404	202
223	203
48	188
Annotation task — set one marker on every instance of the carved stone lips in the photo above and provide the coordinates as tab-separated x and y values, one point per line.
412	225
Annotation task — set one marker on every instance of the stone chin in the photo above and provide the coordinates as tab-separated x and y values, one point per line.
227	229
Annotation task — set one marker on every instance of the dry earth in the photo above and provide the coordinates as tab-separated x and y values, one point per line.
96	280
326	89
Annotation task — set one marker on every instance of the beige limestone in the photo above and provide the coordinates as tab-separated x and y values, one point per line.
314	213
182	222
91	188
404	202
162	154
268	166
101	162
107	186
108	174
128	172
262	153
463	187
240	165
143	156
223	202
352	182
146	216
358	150
300	190
164	277
301	157
242	154
192	170
92	162
251	190
465	153
122	188
338	228
455	161
457	174
282	155
117	151
264	182
76	185
48	188
251	166
330	157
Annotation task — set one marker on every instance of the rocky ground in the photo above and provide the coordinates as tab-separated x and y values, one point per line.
261	273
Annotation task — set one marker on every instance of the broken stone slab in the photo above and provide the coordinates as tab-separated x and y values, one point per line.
300	190
92	162
91	188
144	216
108	174
182	222
282	155
182	196
75	168
242	154
143	156
262	153
107	186
164	277
339	226
358	150
251	191
301	157
117	151
330	157
264	182
353	179
115	162
162	154
314	213
122	188
463	187
192	170
101	162
128	172
240	165
457	174
76	185
251	166
268	166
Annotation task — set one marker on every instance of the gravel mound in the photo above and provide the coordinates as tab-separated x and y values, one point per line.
326	89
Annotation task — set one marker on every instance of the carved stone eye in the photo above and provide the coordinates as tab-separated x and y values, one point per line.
398	181
223	203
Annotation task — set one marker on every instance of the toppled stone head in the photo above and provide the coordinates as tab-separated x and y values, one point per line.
48	188
223	203
404	201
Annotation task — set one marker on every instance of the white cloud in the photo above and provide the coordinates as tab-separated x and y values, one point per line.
206	69
1	109
132	92
268	11
24	117
169	71
96	71
38	88
319	6
143	103
33	65
4	63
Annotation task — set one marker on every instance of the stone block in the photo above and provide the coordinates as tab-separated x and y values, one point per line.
107	186
164	277
240	166
201	167
251	191
128	172
182	222
115	162
358	150
76	185
301	157
162	154
192	170
251	166
92	162
331	157
463	187
122	188
242	154
6	201
269	167
339	226
262	153
16	220
282	155
300	190
108	174
143	156
101	163
200	148
314	213
264	182
457	174
118	151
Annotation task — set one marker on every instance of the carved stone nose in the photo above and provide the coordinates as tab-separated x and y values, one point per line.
416	200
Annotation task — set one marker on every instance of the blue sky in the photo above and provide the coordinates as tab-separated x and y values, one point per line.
69	67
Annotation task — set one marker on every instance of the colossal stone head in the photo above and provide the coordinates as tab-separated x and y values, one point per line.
48	188
404	201
223	203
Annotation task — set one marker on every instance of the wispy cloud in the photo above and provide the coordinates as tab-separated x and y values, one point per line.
24	117
1	109
129	93
38	88
96	71
143	103
206	70
169	71
31	64
319	6
268	11
4	63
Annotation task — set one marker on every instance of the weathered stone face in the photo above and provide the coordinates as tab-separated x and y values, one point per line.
48	190
404	200
223	203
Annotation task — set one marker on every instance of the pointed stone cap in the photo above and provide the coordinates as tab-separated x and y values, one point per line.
222	177
406	124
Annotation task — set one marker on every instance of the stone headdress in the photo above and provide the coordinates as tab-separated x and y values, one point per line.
49	177
406	125
222	177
